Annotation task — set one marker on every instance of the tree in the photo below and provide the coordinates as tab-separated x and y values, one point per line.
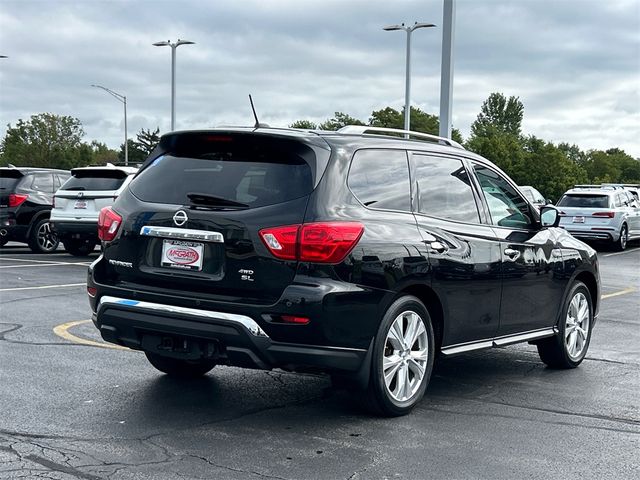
101	154
146	140
340	120
498	112
136	154
420	121
612	166
45	140
304	124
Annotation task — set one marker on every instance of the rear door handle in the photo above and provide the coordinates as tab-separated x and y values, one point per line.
511	253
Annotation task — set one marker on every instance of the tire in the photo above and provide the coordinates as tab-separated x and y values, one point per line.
179	368
621	244
41	238
561	351
400	349
79	248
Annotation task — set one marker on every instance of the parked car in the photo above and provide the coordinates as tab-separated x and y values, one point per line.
77	204
534	196
357	253
606	214
26	198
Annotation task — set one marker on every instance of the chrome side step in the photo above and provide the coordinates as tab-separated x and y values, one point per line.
499	341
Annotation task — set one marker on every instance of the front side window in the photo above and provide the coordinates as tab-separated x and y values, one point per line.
444	189
380	179
506	206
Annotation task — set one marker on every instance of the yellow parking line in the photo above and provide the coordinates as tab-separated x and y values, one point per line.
621	292
63	332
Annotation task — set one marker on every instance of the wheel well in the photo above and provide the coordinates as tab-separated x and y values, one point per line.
36	218
590	281
432	302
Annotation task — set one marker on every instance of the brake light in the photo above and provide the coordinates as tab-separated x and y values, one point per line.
17	199
108	224
324	242
604	214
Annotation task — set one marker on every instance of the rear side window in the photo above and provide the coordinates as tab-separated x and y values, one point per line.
584	201
444	189
228	173
42	182
380	179
95	180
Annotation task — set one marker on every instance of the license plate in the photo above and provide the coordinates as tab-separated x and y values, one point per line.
578	219
81	204
184	255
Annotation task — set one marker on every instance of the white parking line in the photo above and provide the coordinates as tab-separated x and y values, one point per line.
621	253
43	287
41	261
42	265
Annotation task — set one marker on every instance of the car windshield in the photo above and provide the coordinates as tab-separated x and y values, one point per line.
585	201
95	180
8	179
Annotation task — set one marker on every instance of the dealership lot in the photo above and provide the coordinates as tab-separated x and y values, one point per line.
75	407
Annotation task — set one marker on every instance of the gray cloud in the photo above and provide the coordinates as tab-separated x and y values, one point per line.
574	64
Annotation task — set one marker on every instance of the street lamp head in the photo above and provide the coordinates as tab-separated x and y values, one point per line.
422	25
184	42
162	44
391	28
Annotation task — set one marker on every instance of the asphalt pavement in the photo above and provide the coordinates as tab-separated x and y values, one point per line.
73	407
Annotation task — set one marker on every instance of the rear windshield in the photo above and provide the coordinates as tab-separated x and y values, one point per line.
585	201
243	174
95	180
9	178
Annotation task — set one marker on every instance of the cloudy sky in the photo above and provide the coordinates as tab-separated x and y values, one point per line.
575	64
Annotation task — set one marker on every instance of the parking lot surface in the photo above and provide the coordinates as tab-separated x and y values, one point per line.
74	407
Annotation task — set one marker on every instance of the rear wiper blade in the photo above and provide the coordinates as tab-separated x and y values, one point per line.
75	188
206	199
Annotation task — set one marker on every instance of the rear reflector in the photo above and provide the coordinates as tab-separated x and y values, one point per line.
294	319
324	242
16	199
604	214
108	224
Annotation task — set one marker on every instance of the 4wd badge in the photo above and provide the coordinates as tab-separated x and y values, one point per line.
246	275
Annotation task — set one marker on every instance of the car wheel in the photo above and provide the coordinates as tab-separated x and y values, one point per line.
79	248
621	244
42	238
569	347
402	359
179	368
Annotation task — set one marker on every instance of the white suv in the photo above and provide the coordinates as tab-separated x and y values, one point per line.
610	214
78	202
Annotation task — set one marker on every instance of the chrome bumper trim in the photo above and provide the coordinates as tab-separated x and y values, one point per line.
243	320
182	233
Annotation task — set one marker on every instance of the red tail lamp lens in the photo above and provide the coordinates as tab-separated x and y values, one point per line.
17	199
281	241
328	242
91	291
294	319
108	224
604	214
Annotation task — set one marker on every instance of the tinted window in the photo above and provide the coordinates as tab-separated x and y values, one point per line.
42	182
249	174
529	194
380	179
9	178
444	189
506	205
585	201
95	180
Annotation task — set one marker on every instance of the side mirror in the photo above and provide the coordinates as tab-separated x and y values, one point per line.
549	216
549	201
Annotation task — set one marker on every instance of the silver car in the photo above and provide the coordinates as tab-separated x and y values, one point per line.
607	214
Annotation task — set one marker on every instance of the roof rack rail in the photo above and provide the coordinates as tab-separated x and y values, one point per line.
604	186
363	129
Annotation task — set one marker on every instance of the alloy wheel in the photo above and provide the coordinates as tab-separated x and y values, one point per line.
577	326
47	239
406	353
624	236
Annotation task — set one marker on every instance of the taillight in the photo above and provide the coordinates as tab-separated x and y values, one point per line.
604	214
324	242
92	291
16	199
108	224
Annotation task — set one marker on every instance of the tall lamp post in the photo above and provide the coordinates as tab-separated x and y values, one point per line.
173	73
407	89
123	99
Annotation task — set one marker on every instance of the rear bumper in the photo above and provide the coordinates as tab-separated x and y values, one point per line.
228	338
588	233
77	230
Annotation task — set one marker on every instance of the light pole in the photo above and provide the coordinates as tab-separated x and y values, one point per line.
123	99
173	73
407	88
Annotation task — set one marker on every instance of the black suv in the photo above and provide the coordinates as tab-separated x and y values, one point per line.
353	253
26	200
